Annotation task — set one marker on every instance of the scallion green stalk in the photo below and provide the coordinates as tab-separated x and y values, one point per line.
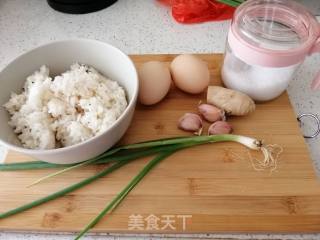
63	191
29	166
78	185
124	155
118	199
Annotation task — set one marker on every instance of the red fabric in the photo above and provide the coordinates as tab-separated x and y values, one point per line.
195	11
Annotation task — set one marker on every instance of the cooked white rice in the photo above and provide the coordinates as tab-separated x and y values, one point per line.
65	110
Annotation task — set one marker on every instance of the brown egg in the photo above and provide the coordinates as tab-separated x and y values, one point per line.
190	73
155	81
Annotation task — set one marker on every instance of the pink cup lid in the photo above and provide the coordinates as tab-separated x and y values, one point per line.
273	33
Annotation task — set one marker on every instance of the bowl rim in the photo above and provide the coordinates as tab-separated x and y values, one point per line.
113	125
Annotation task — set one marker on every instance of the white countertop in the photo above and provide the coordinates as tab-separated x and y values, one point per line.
136	27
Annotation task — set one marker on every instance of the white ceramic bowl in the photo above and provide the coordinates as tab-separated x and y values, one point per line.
58	56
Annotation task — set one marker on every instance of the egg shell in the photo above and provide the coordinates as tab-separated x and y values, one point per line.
155	81
190	73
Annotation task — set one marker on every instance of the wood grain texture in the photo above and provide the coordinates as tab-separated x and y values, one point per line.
222	192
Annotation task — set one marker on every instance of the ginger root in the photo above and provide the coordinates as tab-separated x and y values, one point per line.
231	101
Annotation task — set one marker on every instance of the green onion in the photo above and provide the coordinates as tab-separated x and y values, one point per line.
118	199
78	185
124	155
170	141
63	191
249	142
28	166
169	147
145	151
161	142
103	158
130	155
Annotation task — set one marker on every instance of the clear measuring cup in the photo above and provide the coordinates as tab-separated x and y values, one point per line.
267	42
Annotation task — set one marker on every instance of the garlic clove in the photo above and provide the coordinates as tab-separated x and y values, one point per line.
191	122
211	113
220	127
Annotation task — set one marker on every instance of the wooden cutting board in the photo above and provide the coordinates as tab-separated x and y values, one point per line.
208	186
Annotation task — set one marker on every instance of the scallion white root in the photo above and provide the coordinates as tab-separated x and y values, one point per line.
249	142
271	155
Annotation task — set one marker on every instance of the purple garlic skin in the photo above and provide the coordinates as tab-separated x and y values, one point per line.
211	113
190	122
220	127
